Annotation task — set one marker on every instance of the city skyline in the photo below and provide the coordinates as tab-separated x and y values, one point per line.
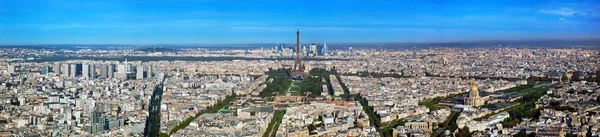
497	91
354	68
229	22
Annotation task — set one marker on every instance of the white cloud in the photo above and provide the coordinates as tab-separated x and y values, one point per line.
561	19
562	11
568	12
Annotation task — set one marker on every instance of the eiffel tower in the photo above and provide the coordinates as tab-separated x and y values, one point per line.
298	71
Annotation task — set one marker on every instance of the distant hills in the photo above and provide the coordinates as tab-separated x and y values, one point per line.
157	49
530	43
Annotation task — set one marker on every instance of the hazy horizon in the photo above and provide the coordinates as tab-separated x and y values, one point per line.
331	43
243	22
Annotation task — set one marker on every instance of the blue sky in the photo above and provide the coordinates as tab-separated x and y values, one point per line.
275	21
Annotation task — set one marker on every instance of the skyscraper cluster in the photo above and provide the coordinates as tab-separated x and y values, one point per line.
311	50
92	71
318	50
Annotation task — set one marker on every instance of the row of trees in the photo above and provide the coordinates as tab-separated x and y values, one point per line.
211	109
520	88
337	76
323	73
523	134
312	84
475	77
517	88
274	125
577	76
320	72
430	103
559	107
450	122
387	129
280	82
524	110
464	132
373	118
375	74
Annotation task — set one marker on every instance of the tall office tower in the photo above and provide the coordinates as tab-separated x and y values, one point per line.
320	49
303	51
56	68
325	52
280	47
45	69
104	70
97	122
11	68
313	49
148	71
73	69
111	70
66	71
85	68
97	117
127	67
92	71
121	72
139	73
78	69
